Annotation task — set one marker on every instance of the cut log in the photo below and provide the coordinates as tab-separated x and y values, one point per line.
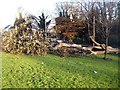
113	50
67	45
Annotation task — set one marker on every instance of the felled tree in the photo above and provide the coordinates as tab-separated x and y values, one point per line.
100	17
23	39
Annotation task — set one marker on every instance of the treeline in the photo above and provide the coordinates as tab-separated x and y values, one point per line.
81	22
101	19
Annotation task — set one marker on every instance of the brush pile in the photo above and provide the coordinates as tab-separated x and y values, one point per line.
23	39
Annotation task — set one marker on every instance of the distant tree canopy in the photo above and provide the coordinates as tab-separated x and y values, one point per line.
68	22
71	13
68	29
42	21
100	18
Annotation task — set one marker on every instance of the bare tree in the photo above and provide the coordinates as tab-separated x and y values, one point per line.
108	17
68	9
91	14
100	16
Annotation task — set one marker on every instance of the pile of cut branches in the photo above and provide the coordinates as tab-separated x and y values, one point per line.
23	39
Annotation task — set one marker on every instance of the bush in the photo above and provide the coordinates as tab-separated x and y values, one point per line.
78	40
82	40
23	39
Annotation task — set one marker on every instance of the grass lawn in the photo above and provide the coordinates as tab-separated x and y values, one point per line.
22	71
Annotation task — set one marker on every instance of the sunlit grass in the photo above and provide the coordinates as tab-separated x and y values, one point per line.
22	71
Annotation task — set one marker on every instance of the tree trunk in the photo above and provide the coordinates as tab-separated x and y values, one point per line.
93	29
106	42
88	28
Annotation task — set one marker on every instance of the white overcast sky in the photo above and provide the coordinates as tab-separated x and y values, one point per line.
9	8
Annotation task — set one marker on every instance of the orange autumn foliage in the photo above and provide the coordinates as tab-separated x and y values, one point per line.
65	27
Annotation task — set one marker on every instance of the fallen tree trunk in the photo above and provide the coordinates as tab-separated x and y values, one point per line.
96	43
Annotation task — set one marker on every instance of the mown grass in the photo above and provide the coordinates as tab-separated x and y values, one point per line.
22	71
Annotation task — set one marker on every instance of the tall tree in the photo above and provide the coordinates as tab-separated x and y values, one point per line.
104	13
42	23
108	18
68	15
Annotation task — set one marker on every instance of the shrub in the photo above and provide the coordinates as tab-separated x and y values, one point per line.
23	39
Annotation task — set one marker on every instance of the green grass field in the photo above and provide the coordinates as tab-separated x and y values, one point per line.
22	71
